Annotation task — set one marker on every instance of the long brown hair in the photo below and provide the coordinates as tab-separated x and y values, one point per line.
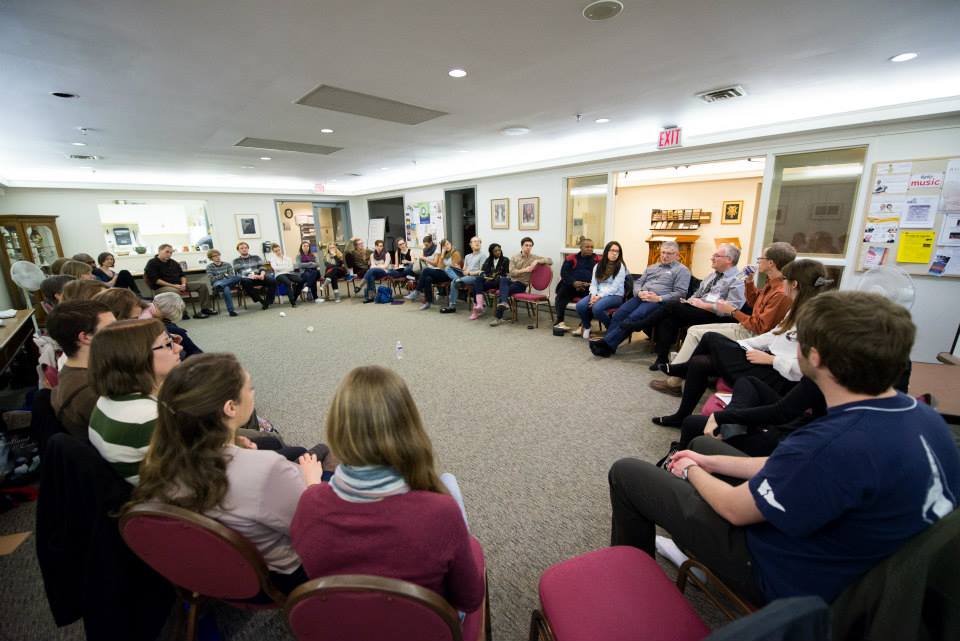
121	301
82	289
373	420
811	279
75	268
607	268
186	464
121	358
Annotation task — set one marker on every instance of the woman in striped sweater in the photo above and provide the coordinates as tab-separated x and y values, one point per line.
128	362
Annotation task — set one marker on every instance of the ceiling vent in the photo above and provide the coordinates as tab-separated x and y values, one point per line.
284	145
362	104
354	174
718	95
83	157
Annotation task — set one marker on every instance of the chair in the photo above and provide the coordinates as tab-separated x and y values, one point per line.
540	280
188	296
236	291
361	608
621	594
200	557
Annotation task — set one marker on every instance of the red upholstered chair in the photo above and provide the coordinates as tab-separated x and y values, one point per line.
200	557
614	594
372	608
533	298
713	403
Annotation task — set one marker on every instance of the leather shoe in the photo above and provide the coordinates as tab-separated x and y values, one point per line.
665	388
655	367
601	349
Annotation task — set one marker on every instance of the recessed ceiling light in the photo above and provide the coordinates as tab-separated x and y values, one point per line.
384	168
265	158
515	131
457	73
602	10
903	57
63	94
326	130
247	167
79	144
602	121
463	151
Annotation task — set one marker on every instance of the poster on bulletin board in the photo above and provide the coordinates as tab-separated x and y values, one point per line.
913	217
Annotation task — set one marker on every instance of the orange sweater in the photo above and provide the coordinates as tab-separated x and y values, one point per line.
769	306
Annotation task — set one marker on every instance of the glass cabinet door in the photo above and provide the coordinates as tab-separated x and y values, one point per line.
11	243
43	247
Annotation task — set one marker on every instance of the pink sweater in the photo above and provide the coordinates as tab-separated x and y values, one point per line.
418	537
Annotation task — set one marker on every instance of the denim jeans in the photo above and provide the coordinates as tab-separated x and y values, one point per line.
374	273
627	319
467	281
598	311
224	285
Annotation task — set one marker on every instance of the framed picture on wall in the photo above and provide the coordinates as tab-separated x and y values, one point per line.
500	213
732	212
529	212
248	226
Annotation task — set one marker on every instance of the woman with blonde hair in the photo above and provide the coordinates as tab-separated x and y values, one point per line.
333	269
447	258
386	511
197	461
770	357
129	361
78	270
82	289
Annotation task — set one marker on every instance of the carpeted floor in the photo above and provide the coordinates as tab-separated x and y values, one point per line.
528	422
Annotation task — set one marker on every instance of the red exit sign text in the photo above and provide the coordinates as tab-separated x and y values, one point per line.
669	138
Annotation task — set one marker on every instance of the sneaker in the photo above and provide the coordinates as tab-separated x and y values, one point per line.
448	310
503	305
232	313
317	301
412	279
562	325
586	334
209	312
327	281
669	550
475	314
496	321
424	307
412	295
367	300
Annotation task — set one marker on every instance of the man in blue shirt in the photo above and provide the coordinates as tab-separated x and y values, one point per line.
575	275
836	497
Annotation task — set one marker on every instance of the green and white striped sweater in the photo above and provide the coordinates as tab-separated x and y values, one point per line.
120	429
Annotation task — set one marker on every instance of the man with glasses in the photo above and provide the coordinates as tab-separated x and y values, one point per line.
661	283
720	286
769	306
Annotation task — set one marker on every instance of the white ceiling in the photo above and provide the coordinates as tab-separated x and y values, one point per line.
170	86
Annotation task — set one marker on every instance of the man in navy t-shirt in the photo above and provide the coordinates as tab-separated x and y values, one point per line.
836	497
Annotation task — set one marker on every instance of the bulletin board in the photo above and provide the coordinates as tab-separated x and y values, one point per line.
913	217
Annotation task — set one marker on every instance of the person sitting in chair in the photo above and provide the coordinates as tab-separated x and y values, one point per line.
606	288
575	275
255	282
835	498
521	270
222	278
163	274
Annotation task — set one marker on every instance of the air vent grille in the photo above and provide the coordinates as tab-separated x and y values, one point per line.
362	104
726	93
83	157
286	145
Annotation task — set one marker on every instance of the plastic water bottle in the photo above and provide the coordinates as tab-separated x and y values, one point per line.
747	272
399	351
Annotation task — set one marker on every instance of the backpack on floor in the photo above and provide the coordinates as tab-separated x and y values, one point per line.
384	295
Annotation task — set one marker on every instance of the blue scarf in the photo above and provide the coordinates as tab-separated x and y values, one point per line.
368	483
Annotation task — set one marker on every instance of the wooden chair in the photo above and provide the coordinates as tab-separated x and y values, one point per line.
534	297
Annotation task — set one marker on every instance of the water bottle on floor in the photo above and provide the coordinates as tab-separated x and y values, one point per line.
399	351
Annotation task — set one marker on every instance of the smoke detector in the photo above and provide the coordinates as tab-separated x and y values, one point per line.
724	93
602	10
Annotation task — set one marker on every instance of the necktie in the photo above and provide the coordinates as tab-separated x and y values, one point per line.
713	281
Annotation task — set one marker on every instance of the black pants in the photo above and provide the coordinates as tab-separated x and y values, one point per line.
126	280
670	318
294	285
335	274
309	278
565	294
643	496
717	355
257	289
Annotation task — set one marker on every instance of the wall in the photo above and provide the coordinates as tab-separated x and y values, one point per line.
392	211
633	205
289	230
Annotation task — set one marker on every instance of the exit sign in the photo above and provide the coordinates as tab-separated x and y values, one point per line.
669	138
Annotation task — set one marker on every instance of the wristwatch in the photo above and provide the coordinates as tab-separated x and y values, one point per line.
686	471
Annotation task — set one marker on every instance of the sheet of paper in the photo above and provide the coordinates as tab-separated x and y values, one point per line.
886	206
951	187
724	397
920	212
893	184
888	168
945	262
880	232
9	543
950	231
874	256
915	246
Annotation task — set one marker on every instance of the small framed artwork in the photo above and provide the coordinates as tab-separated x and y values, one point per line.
248	226
500	213
732	212
825	211
529	212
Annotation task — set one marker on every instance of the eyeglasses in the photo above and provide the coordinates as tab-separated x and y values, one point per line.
719	256
168	345
759	258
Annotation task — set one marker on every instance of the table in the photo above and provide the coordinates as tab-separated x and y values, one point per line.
14	334
942	381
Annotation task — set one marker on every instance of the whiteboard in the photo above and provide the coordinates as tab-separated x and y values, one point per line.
376	228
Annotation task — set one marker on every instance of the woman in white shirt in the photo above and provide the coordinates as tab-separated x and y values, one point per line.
606	288
770	357
194	462
283	269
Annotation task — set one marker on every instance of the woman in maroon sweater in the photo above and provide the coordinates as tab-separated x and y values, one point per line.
385	512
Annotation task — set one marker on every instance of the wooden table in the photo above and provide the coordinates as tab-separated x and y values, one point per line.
14	334
942	381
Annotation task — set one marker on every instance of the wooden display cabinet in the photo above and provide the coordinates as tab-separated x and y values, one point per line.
32	238
685	241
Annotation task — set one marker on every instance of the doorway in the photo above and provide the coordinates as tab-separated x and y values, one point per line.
318	223
391	211
461	217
